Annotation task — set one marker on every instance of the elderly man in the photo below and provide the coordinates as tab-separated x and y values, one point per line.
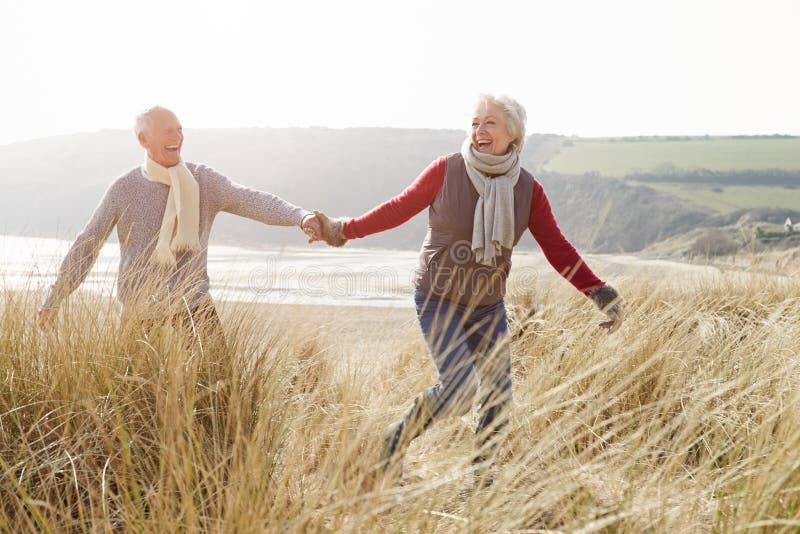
163	211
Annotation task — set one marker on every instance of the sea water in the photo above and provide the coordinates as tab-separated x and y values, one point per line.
315	274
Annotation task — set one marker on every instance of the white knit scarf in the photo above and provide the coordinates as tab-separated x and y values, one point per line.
494	177
183	204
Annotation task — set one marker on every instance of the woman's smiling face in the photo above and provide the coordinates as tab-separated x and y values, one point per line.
490	133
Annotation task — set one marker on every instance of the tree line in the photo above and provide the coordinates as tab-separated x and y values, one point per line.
708	176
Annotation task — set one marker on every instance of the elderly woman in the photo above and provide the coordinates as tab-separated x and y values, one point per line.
480	201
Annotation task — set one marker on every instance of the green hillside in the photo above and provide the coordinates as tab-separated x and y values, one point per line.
727	199
618	158
721	174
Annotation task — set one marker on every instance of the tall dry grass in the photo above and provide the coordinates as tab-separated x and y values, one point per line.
686	420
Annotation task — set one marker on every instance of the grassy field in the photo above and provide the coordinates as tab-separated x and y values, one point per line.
686	420
726	199
623	157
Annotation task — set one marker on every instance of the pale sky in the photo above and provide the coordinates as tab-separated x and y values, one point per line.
588	68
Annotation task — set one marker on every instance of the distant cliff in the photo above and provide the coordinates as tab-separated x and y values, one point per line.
607	215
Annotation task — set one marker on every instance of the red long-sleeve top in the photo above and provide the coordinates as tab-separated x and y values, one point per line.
542	224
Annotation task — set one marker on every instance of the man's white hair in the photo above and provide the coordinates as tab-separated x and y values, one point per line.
515	115
145	119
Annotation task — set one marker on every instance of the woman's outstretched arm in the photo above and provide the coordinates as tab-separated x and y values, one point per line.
557	248
566	260
395	211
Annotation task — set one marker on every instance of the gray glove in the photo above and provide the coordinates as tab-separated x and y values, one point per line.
609	302
331	229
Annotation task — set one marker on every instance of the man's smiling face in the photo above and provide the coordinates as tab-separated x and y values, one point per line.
163	137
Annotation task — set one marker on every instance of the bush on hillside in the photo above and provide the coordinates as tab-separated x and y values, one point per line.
713	244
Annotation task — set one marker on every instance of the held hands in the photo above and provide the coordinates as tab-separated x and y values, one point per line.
609	302
331	230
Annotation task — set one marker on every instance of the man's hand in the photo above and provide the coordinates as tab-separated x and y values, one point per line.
47	318
312	227
608	300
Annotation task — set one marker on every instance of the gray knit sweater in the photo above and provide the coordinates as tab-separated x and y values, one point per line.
135	205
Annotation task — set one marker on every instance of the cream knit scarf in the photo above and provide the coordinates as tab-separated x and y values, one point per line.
494	177
183	204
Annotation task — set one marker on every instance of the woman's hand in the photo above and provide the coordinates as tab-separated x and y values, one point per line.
331	230
609	302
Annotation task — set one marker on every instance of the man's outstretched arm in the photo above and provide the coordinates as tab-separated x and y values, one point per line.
257	205
82	254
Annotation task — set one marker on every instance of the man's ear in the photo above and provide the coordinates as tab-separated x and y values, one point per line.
142	139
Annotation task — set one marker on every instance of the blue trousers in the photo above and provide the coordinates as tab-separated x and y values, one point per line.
470	347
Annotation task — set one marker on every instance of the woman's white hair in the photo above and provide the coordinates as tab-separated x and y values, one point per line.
144	120
515	114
